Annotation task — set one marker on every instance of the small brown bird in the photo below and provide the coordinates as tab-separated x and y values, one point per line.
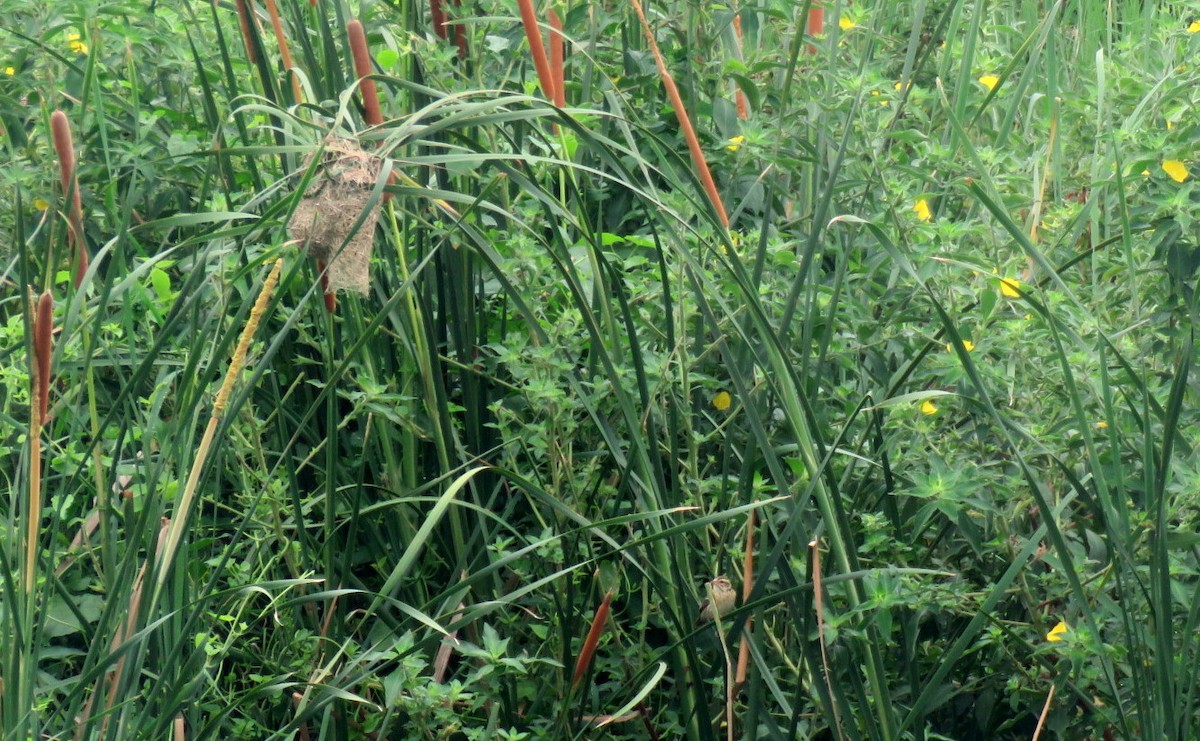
719	599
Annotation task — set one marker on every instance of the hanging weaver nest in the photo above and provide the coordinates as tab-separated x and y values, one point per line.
324	220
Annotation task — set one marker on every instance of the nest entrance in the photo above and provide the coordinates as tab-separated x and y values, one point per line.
324	219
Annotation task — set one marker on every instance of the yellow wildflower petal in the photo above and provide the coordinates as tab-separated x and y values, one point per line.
928	407
1010	288
75	44
722	401
989	81
1057	632
846	24
921	209
1170	125
1145	173
10	71
967	345
40	204
1176	169
1102	425
734	143
1194	27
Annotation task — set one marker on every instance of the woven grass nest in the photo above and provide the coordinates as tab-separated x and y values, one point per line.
324	220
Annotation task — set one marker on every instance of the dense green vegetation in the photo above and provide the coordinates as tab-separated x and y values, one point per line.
914	370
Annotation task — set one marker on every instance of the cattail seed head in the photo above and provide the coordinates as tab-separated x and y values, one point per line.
43	325
60	131
362	67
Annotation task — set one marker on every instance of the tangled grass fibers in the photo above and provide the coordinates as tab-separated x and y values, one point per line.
324	220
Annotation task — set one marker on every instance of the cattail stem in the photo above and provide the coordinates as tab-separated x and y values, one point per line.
592	640
819	602
166	554
685	123
743	106
534	34
743	663
60	130
33	508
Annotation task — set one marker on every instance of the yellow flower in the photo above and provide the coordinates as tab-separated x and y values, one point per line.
1057	632
901	86
921	209
40	204
1010	287
989	81
967	345
846	24
1145	173
722	401
10	71
928	407
75	44
1102	425
1176	169
1194	27
1170	124
735	142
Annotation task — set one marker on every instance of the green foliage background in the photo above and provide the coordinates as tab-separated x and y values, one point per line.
415	504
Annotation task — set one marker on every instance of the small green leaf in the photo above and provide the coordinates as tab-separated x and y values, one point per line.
161	283
388	58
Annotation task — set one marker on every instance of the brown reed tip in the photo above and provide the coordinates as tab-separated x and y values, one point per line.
43	326
244	20
534	34
362	67
64	146
60	129
460	32
330	298
593	639
438	16
557	57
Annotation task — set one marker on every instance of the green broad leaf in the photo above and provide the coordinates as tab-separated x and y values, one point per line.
62	621
161	283
388	58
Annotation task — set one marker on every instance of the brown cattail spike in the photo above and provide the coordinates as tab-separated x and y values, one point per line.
557	58
438	16
681	114
536	50
326	290
43	326
593	639
816	23
362	67
284	51
460	32
245	18
60	131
